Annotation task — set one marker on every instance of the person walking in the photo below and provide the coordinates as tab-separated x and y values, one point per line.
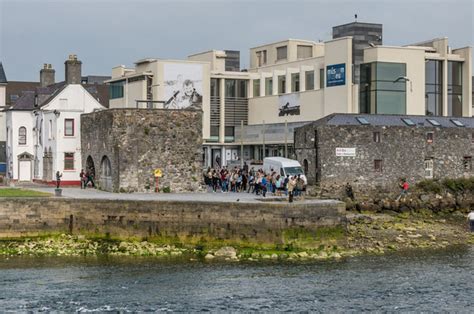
470	217
404	192
82	178
291	188
58	179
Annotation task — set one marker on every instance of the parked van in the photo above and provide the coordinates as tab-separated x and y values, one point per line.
284	167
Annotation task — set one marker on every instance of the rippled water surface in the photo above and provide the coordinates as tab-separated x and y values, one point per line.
415	281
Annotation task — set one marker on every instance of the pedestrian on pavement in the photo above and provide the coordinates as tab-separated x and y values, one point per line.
470	217
82	177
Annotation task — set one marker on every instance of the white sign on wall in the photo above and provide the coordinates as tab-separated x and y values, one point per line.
345	152
183	85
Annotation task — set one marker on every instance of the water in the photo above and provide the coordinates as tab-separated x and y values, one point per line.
416	281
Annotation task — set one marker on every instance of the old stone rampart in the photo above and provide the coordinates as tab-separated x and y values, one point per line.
256	221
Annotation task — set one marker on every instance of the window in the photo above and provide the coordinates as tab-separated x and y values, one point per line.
281	84
378	165
268	86
261	58
429	166
14	98
295	82
256	88
434	122
454	89
68	161
22	136
68	127
303	51
50	130
215	92
472	138
429	137
362	121
383	88
282	53
408	122
230	88
321	78
434	87
467	163
457	123
309	80
377	137
229	133
116	89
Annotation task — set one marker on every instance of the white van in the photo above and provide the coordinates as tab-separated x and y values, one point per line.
284	167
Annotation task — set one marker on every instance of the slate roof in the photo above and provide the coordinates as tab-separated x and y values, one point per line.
393	120
3	77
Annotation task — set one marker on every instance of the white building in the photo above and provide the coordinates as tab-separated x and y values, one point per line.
3	84
43	130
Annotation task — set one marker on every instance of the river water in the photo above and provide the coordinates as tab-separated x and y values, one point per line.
421	280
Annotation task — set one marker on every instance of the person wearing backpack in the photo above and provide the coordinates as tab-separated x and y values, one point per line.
404	192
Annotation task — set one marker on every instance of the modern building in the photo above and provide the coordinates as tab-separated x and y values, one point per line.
373	152
43	127
363	35
250	114
3	138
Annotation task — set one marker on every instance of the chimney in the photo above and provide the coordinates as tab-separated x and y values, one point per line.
46	75
73	73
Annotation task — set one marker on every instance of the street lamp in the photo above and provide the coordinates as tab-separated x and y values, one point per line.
404	79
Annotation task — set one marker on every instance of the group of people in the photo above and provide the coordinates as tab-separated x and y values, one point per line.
86	178
252	181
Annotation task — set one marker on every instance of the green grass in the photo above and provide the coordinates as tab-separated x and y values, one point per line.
9	192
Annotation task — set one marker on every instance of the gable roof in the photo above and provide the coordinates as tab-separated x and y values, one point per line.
3	77
341	119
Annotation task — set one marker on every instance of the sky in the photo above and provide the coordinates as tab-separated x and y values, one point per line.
106	33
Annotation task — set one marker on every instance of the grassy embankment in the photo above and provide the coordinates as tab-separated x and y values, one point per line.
18	192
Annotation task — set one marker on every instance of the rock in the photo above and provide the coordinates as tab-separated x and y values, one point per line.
209	256
303	255
274	256
414	236
255	255
425	198
226	252
400	239
336	255
266	256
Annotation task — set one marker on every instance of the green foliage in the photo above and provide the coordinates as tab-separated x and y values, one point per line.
166	189
12	192
146	130
433	186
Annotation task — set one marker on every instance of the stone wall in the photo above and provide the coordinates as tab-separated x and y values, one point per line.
239	220
135	142
402	150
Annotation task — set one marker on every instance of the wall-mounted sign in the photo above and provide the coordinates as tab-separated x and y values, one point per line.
289	105
345	152
336	75
158	173
183	85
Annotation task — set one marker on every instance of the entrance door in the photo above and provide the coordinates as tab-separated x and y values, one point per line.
25	171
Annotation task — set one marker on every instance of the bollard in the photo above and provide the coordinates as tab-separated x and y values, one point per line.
58	192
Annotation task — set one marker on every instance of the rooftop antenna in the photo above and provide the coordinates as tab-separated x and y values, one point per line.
355	16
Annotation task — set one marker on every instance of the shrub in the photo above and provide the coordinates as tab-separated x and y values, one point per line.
166	189
430	186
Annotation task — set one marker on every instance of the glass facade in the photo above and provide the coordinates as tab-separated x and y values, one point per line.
454	88
434	88
256	88
116	89
309	80
383	88
268	86
295	82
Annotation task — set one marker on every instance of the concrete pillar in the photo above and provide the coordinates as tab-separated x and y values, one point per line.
222	111
445	87
302	79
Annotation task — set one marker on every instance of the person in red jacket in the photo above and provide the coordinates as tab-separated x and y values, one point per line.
404	186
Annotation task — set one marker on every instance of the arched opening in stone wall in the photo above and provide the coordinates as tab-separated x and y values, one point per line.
305	167
90	167
106	174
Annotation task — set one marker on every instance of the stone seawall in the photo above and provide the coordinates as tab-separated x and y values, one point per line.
255	221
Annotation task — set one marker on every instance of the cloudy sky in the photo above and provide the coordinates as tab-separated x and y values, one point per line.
106	33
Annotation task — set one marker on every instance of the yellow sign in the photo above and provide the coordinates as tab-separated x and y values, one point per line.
158	173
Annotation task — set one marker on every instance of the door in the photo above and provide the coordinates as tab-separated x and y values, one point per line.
25	171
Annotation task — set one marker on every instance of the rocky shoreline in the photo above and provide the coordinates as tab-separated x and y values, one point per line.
374	233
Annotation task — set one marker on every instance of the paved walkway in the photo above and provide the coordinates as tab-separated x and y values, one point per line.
78	193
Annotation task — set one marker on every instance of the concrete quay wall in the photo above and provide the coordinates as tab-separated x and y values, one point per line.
255	221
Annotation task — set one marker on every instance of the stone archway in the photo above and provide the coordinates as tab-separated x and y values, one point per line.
305	167
106	174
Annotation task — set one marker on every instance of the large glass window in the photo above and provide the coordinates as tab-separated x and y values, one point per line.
282	53
434	88
454	89
22	136
295	82
116	89
303	51
383	88
321	78
268	86
309	84
256	88
281	84
236	88
215	92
